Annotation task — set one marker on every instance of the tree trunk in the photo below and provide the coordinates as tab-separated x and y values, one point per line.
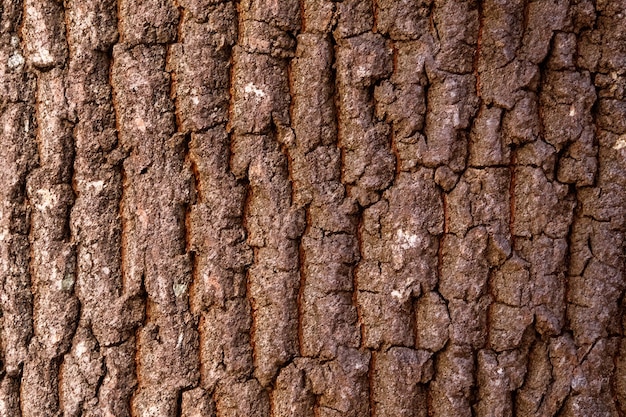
312	208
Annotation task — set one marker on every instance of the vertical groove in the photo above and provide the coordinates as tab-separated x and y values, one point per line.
262	105
18	151
463	272
49	188
157	249
117	390
95	230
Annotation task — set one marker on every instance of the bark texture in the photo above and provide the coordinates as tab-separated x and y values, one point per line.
312	208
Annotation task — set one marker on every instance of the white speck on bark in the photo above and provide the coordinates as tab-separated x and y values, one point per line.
253	89
67	283
406	240
141	125
620	143
81	349
47	199
16	60
97	186
179	289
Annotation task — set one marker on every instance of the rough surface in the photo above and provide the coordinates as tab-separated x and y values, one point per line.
312	208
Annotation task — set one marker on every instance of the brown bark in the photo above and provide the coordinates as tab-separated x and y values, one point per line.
312	208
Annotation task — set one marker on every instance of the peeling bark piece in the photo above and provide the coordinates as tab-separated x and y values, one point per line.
521	123
292	395
197	403
503	87
399	249
396	387
452	102
225	343
498	377
550	214
273	280
590	395
156	247
368	163
450	389
465	270
9	391
457	24
531	395
314	120
242	399
44	33
82	372
217	237
481	199
567	98
501	33
330	322
272	224
562	356
107	317
148	21
354	17
217	294
53	266
401	101
284	15
510	284
40	384
261	93
507	326
17	155
120	379
329	246
544	17
342	384
468	322
91	26
432	323
486	146
402	20
201	68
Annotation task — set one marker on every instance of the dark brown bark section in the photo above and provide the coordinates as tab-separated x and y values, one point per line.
312	208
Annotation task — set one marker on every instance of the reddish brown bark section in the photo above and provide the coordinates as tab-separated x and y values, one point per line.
312	208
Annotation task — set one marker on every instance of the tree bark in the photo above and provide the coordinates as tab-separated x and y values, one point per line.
312	208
